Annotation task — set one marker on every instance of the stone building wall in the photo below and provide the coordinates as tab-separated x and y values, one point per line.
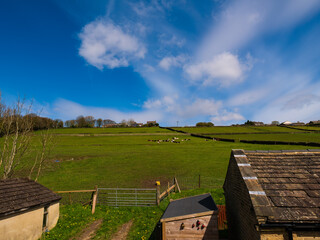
240	213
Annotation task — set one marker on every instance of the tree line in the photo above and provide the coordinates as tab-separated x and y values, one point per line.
90	122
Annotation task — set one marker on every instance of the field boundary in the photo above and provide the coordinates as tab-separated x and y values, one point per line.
302	129
311	144
111	134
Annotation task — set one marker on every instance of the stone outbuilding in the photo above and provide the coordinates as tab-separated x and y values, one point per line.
26	209
193	217
273	195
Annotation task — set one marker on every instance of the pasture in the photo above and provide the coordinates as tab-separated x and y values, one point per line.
127	157
236	129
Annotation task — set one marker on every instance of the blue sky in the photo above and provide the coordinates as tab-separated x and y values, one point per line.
168	60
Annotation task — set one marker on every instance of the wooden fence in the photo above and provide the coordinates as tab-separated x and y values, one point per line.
173	188
222	217
80	196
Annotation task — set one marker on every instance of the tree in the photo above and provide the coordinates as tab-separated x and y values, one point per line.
16	128
99	122
108	121
90	121
47	142
81	121
123	123
275	123
16	137
249	123
131	123
204	124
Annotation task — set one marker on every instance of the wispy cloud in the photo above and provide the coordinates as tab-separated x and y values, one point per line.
167	62
70	110
224	67
243	21
227	117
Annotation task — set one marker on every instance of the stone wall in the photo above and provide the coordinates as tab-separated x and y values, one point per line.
240	213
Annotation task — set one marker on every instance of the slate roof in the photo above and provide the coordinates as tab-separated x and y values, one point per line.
284	186
190	205
18	195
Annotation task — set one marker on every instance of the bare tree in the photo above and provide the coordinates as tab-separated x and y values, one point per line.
47	143
131	123
16	131
16	128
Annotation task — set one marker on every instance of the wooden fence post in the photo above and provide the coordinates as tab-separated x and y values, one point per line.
177	184
168	190
158	192
94	199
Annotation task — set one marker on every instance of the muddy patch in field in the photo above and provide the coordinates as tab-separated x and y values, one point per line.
89	232
122	233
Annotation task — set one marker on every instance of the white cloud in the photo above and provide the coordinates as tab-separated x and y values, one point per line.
171	40
300	105
66	110
301	101
244	20
167	62
227	117
248	97
105	45
200	107
223	69
186	109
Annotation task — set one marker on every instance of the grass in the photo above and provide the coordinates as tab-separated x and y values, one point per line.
133	161
312	128
109	130
236	129
288	137
73	218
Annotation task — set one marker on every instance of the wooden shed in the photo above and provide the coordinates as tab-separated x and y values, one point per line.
273	195
191	218
26	209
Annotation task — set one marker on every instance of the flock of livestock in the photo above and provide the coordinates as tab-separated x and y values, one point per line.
172	140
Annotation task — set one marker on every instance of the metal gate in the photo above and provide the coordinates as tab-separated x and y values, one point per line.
140	197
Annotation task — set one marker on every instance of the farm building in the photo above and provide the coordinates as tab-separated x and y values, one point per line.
273	195
26	209
286	123
191	218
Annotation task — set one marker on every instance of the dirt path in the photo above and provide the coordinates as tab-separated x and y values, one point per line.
123	231
90	231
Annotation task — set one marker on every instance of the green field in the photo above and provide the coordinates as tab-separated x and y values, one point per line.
235	129
118	160
311	128
288	137
125	157
109	130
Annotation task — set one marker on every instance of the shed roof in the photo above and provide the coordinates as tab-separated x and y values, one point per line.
284	186
21	194
190	205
